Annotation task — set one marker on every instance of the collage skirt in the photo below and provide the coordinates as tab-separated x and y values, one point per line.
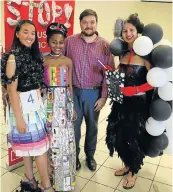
35	141
62	152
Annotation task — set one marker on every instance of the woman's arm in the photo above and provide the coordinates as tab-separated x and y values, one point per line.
117	62
4	95
70	68
147	64
132	90
13	95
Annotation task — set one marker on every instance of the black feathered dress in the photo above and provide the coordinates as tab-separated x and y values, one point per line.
126	131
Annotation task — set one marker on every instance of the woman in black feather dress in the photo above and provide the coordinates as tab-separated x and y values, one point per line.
126	131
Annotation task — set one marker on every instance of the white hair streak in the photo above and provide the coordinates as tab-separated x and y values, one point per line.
118	27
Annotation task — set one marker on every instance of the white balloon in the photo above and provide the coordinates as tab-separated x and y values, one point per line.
165	92
143	45
155	128
169	73
163	42
156	77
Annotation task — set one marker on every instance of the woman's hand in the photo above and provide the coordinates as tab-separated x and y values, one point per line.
21	125
74	115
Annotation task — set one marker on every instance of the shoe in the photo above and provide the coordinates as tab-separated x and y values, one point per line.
129	182
28	185
91	163
45	189
78	164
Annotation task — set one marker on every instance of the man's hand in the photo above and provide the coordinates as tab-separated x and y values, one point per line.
99	104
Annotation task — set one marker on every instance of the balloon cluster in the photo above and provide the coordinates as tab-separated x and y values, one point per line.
160	110
159	52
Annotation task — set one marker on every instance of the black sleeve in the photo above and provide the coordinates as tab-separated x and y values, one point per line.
4	79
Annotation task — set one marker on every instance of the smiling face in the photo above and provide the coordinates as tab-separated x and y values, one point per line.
88	25
129	33
26	35
56	43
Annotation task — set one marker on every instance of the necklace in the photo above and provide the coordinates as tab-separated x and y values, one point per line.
132	53
55	55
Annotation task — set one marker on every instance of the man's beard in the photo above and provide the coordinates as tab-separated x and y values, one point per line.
88	35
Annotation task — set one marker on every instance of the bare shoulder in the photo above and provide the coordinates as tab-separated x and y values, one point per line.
46	57
67	60
11	57
11	66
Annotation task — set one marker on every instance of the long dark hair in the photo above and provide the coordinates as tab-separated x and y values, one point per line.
35	51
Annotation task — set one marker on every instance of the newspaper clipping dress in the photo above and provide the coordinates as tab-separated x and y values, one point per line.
62	153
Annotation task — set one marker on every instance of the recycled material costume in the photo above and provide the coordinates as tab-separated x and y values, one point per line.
62	153
29	73
126	122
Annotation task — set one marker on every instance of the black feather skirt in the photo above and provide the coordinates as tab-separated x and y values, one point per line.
126	131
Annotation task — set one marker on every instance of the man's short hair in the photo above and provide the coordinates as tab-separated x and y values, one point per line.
88	12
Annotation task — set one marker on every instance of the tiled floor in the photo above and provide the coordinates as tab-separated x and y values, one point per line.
156	175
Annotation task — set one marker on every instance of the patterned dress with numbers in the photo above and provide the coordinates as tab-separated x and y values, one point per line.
62	151
29	73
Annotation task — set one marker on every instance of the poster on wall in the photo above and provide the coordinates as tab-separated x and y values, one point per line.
42	13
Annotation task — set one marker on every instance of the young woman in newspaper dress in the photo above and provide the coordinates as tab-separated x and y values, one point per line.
60	112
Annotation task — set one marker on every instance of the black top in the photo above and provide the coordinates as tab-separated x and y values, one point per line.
30	73
135	75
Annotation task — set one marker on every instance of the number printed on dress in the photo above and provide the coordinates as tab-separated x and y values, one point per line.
30	101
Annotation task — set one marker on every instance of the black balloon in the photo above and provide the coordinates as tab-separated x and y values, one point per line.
117	47
155	94
170	103
160	110
147	57
160	142
153	31
151	152
162	56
